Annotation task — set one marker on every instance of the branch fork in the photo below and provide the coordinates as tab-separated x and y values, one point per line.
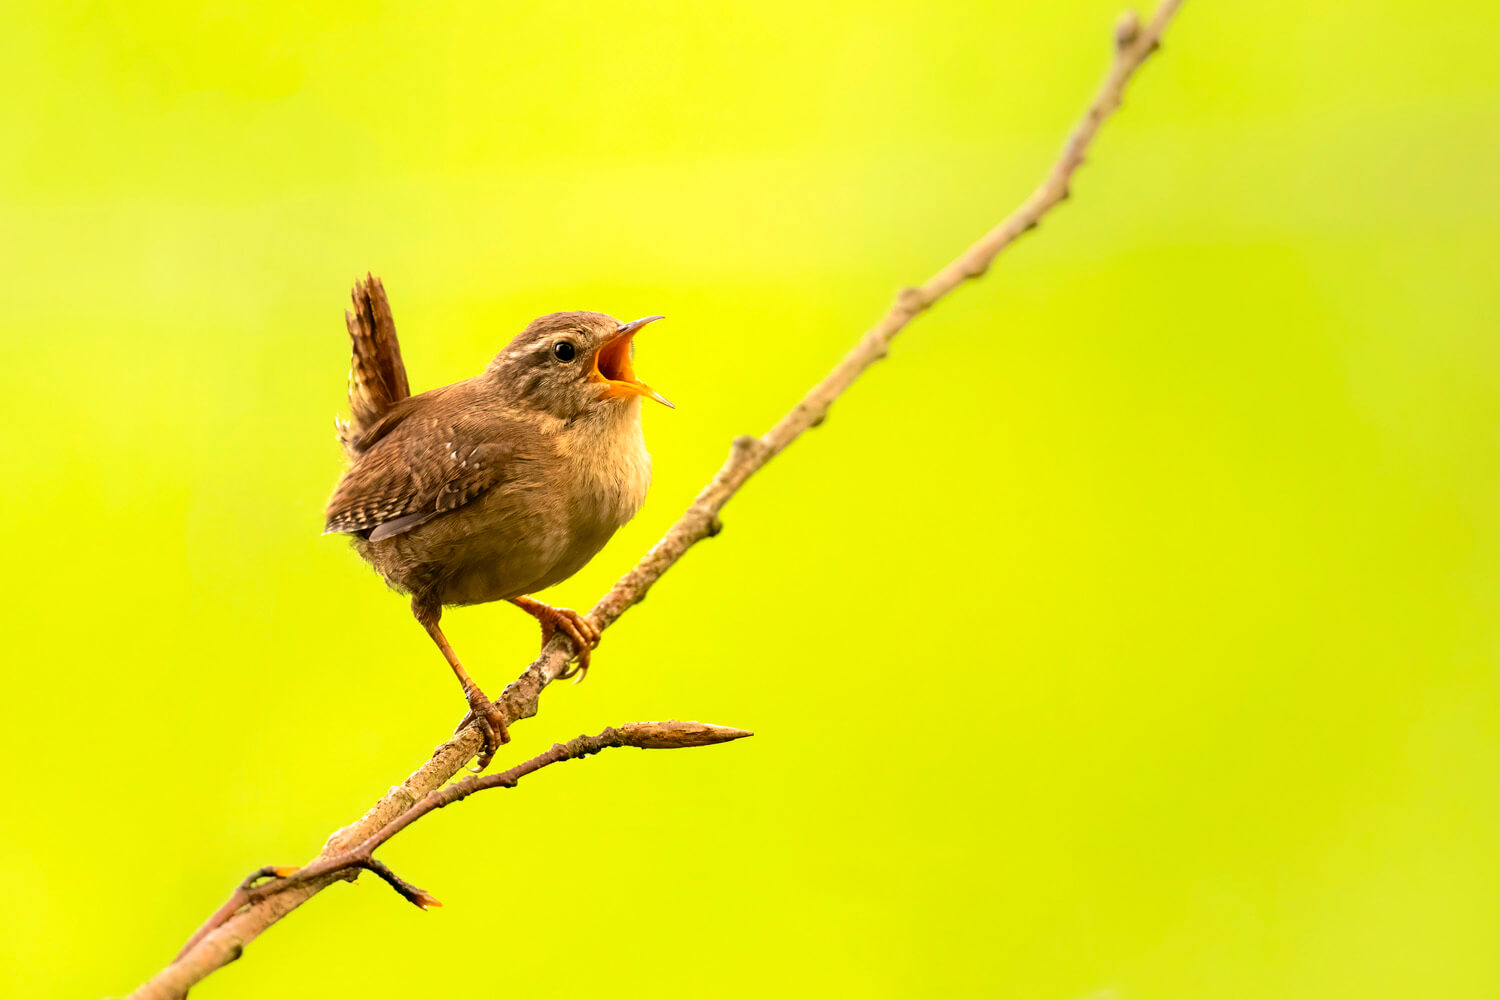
669	735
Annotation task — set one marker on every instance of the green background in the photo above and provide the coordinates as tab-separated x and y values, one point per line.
1129	633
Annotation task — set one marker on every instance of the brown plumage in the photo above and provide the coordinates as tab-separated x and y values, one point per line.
497	486
377	376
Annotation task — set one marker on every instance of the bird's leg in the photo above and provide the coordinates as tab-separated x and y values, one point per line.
578	628
491	720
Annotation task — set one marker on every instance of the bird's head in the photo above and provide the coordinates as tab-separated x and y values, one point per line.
571	364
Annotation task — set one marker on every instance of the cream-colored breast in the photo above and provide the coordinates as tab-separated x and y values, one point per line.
607	469
621	475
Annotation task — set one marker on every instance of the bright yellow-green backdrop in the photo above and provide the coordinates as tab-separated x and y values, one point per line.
1129	633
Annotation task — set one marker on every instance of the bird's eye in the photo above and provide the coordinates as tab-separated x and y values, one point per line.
563	351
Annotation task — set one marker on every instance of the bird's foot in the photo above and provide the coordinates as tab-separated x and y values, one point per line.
491	722
579	629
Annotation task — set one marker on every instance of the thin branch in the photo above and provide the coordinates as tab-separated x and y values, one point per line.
1134	42
642	735
669	735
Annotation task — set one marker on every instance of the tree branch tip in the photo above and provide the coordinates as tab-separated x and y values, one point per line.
420	898
673	734
1127	29
264	871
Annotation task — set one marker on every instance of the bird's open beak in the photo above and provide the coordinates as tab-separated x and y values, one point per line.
612	365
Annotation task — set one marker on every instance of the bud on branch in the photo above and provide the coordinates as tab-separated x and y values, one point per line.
672	734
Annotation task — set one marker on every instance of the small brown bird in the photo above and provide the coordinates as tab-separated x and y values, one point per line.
498	486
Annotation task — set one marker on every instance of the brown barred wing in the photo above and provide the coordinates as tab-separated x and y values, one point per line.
413	474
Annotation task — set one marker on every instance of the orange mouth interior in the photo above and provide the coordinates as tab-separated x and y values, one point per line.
612	361
613	370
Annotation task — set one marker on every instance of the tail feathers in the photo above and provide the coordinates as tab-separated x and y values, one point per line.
377	376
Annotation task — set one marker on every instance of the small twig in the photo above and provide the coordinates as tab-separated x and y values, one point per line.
418	897
669	735
643	735
236	902
1134	42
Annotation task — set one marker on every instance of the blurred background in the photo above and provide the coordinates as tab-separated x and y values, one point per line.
1130	633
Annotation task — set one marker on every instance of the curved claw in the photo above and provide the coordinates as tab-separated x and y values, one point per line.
584	635
491	722
579	628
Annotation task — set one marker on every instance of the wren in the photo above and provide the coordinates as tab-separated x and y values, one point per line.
498	486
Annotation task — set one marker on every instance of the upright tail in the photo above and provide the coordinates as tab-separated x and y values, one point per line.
377	376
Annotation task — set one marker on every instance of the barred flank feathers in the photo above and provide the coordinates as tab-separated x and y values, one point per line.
377	376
